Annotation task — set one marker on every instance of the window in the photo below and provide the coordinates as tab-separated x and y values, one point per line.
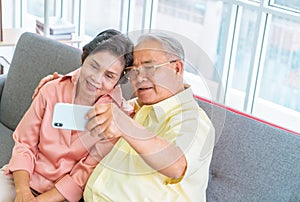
242	45
278	98
252	47
286	4
31	9
199	23
100	15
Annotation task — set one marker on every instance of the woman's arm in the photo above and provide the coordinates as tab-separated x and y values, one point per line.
27	137
52	195
23	192
71	185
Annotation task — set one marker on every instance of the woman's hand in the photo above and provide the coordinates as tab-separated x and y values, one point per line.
43	81
25	196
23	192
53	195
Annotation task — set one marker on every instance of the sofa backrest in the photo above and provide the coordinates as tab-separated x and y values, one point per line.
35	56
252	160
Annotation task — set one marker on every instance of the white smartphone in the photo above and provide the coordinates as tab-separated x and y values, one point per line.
70	116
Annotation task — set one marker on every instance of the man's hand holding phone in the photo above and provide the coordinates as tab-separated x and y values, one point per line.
106	121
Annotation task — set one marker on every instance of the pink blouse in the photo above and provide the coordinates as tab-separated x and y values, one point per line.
55	157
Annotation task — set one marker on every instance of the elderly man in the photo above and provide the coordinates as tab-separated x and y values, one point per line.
164	151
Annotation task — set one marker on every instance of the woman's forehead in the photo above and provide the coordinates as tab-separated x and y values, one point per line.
106	59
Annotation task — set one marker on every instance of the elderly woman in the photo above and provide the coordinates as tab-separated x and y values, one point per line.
50	164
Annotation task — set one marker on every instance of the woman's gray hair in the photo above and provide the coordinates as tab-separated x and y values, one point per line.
171	45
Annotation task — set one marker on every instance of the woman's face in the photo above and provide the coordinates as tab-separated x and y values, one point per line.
99	74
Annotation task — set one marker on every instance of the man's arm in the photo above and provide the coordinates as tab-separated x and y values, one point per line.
109	121
43	81
161	155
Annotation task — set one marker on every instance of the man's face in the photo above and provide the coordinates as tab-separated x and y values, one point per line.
152	85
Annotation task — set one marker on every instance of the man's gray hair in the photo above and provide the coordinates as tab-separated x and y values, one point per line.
171	45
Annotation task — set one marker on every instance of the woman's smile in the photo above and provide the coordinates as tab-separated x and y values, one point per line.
91	86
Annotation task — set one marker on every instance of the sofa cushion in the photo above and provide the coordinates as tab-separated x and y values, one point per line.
6	144
35	56
2	82
252	161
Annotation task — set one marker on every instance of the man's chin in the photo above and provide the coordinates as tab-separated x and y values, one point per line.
145	100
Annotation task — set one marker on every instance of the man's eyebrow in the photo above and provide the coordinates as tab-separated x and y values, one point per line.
148	62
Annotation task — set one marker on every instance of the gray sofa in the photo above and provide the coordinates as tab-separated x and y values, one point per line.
252	161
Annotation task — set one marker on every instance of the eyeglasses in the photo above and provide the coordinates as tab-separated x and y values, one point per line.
133	71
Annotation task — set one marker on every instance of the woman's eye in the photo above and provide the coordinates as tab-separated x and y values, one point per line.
109	76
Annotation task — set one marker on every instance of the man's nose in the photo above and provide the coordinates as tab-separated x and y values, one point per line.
141	75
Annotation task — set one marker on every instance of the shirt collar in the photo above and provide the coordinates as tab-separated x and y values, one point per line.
161	108
72	75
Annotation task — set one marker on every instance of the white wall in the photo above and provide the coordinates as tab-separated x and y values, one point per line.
7	13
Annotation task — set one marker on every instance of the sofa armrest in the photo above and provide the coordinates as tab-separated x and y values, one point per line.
2	82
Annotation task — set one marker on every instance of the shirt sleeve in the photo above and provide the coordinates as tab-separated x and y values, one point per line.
197	143
26	137
71	186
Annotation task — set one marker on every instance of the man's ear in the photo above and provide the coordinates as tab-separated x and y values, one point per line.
179	67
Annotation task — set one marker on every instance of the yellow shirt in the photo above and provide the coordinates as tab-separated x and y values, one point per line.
124	176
